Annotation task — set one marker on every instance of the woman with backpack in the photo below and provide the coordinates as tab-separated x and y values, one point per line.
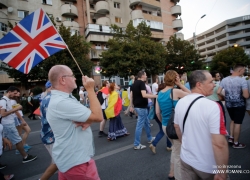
116	127
166	100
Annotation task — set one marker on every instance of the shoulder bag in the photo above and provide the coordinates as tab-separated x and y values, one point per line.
170	129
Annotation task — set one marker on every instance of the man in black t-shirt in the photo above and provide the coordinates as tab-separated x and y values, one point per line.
139	103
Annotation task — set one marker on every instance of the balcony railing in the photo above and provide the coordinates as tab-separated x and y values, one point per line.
69	10
102	7
151	24
176	10
95	53
177	24
96	28
152	3
103	21
136	14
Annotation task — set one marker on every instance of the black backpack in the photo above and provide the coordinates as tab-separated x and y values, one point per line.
100	97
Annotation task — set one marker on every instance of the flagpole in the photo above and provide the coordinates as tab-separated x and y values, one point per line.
75	61
64	42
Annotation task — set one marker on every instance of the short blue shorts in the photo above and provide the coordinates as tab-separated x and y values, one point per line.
11	133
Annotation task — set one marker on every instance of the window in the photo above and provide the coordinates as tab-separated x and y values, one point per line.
92	6
22	14
146	12
98	46
118	20
47	2
3	27
69	19
116	5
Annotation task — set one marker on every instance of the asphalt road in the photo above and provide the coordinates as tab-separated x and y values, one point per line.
117	160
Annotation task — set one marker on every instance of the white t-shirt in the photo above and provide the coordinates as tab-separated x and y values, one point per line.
7	106
81	92
205	118
154	88
13	102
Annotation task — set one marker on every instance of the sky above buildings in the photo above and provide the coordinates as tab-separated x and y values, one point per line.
216	12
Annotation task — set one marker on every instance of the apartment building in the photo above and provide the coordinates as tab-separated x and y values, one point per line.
163	17
224	35
93	18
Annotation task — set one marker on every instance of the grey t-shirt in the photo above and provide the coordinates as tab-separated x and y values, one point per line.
233	86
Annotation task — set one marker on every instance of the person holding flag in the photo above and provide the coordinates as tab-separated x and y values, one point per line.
116	127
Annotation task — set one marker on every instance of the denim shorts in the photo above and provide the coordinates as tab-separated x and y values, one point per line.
18	122
10	132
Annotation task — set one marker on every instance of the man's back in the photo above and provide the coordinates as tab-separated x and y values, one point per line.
72	146
196	149
138	100
233	86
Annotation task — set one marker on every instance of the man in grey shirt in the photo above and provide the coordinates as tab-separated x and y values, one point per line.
73	147
236	91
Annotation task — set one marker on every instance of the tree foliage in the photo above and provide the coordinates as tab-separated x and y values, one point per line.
181	56
226	59
79	48
132	50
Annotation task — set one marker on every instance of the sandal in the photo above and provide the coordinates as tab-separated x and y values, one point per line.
9	177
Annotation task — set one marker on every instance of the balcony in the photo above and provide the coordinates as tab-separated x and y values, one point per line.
177	24
136	14
151	17
151	24
69	10
3	3
102	7
176	10
157	35
147	3
103	21
95	53
71	24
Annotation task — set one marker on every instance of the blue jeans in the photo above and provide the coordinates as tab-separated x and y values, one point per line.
160	134
142	121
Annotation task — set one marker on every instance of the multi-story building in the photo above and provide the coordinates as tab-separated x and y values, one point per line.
93	18
224	35
163	17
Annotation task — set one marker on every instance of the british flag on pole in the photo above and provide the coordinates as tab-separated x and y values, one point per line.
31	41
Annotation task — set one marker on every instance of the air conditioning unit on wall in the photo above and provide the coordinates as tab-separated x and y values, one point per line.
58	19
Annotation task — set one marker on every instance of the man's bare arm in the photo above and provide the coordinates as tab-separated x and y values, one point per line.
5	113
178	132
221	153
145	95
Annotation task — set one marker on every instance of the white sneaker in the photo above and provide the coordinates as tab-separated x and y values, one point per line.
153	138
140	146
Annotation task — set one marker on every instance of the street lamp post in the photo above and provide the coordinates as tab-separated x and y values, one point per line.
194	35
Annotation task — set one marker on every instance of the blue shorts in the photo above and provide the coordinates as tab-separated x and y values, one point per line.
11	133
18	122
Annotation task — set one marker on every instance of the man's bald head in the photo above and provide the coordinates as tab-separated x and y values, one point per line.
56	72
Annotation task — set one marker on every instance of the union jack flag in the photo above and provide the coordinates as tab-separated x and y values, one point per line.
32	40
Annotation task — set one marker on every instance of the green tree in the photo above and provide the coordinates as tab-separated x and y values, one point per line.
79	48
226	59
181	56
131	51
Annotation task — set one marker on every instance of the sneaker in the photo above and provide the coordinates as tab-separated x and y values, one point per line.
101	134
26	146
29	158
153	138
152	147
239	145
17	152
230	140
2	166
140	146
169	149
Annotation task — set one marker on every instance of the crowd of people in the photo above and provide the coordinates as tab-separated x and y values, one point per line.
195	153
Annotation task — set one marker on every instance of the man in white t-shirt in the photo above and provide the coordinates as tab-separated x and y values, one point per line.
155	86
204	147
81	94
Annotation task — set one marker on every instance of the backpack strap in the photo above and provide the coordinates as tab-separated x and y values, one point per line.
184	121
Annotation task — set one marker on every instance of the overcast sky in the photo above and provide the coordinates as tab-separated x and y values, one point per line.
216	12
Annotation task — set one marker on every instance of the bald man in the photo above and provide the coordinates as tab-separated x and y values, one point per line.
73	147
